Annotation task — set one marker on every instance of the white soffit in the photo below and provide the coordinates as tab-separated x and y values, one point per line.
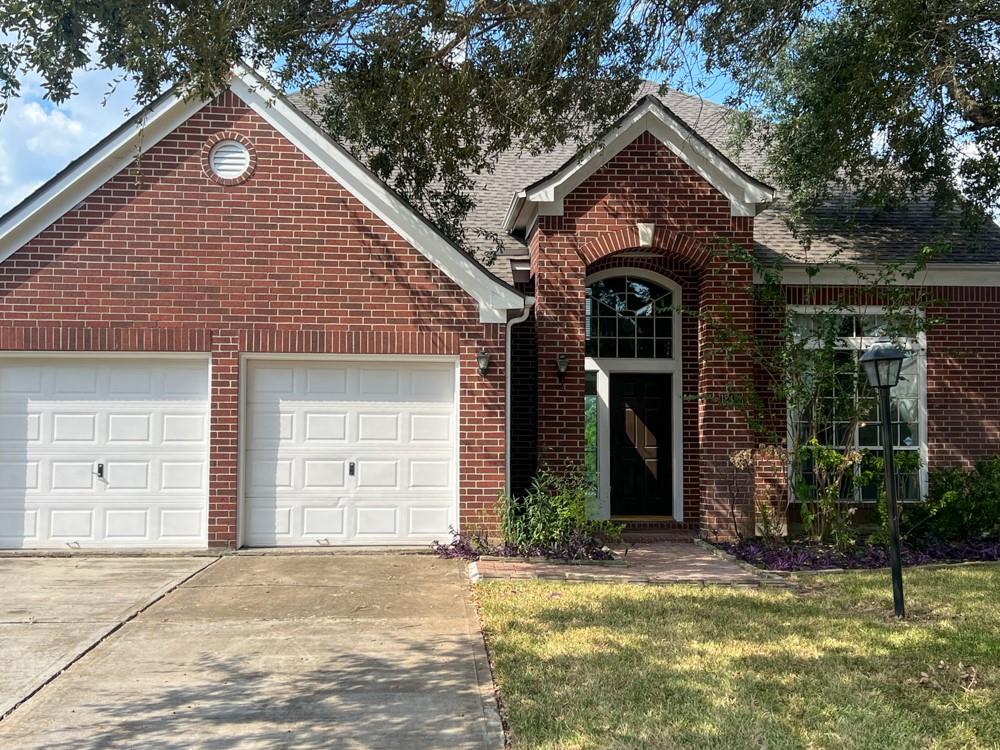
104	161
545	198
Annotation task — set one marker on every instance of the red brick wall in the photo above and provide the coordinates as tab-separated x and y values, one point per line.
963	376
162	258
646	182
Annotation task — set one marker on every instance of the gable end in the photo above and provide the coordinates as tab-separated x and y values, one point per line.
143	131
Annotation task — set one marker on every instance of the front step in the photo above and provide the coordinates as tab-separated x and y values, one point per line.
645	536
655	529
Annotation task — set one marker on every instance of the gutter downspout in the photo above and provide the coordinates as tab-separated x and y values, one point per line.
529	302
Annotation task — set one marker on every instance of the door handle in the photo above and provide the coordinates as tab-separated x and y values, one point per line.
350	469
100	471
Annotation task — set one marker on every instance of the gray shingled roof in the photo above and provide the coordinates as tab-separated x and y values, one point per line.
850	235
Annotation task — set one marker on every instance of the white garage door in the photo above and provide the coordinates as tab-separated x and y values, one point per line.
108	452
350	453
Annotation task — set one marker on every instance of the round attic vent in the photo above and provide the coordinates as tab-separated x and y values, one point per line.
229	160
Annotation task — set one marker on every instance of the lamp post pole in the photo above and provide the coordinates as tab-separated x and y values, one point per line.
883	364
890	494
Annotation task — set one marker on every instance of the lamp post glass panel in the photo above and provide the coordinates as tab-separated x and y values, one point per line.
882	363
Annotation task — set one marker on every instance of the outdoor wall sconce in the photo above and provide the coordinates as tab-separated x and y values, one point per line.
562	364
483	361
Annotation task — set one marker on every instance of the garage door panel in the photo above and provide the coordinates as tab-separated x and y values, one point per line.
20	381
128	476
17	526
62	417
323	521
326	382
183	427
395	422
129	428
71	476
378	426
131	523
76	524
324	474
426	427
429	520
323	426
426	386
182	524
74	428
18	475
20	428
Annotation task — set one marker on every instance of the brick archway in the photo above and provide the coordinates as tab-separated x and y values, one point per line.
667	241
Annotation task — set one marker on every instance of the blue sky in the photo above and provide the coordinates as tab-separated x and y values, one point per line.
37	139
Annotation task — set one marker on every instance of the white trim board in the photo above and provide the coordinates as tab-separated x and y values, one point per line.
137	136
936	274
746	195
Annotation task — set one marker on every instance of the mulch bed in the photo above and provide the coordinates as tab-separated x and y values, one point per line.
803	554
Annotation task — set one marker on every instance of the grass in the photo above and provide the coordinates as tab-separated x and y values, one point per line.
620	666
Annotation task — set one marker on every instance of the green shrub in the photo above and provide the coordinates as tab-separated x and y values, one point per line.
961	504
554	517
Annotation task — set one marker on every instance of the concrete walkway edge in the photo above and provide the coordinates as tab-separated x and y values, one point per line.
493	731
102	634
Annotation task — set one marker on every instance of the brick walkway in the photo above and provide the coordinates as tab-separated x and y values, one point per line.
651	563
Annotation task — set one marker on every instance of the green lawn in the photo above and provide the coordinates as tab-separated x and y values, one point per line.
621	666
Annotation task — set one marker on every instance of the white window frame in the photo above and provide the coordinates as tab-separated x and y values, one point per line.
606	366
918	347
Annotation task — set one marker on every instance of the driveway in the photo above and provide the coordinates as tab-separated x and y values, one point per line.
52	609
284	651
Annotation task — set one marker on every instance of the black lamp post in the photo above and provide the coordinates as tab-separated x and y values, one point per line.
882	363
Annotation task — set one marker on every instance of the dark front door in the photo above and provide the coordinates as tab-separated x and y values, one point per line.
640	445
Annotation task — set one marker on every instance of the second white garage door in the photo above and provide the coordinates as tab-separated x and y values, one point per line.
345	452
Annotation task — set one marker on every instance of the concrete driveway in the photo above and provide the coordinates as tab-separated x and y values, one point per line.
302	651
52	609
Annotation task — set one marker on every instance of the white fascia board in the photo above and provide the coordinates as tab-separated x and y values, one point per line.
745	196
512	218
936	274
494	298
66	192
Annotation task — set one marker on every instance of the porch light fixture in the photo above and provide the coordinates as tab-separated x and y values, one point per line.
883	363
562	364
483	361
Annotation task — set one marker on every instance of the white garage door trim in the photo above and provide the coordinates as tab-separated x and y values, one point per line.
199	541
248	359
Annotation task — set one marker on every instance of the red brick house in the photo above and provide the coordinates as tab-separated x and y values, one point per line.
218	328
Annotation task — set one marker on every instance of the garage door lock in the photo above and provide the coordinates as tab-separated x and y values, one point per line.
350	468
100	471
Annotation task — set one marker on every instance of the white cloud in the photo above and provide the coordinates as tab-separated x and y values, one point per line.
37	139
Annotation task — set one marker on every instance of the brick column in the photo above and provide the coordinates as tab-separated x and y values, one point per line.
481	428
726	306
223	456
560	273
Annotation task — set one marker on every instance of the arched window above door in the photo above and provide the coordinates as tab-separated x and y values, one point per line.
629	317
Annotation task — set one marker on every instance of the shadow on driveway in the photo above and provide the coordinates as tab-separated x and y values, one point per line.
374	651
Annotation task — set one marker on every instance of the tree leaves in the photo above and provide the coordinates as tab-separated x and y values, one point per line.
879	100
